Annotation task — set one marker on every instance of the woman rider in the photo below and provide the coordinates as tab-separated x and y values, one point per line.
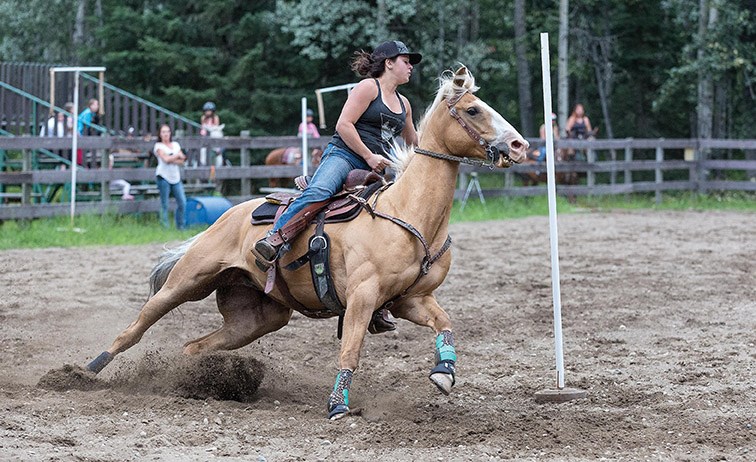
372	116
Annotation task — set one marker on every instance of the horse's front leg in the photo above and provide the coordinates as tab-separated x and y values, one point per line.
425	311
360	307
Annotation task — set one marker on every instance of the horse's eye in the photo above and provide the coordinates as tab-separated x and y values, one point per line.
472	111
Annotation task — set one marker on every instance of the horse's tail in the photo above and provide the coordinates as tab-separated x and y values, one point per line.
165	264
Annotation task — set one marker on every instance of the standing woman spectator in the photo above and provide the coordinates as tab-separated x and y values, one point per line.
170	159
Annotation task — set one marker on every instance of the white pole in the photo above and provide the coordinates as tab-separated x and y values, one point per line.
553	235
74	145
305	153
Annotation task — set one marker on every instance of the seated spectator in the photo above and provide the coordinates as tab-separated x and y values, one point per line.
539	155
212	127
309	128
579	125
55	126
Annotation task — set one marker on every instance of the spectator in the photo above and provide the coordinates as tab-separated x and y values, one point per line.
539	155
310	128
170	159
211	127
209	119
578	124
55	126
69	118
88	117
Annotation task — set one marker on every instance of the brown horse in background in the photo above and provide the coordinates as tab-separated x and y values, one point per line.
394	257
291	155
560	155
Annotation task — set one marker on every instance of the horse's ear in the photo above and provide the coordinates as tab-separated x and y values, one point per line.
461	76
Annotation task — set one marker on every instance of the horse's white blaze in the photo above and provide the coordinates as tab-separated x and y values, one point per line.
506	134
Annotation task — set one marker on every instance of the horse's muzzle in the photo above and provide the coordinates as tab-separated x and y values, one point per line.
512	152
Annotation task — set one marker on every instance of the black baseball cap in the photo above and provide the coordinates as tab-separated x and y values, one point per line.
394	48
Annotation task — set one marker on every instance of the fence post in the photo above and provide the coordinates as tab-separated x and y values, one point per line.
658	174
628	173
26	188
104	166
590	176
244	160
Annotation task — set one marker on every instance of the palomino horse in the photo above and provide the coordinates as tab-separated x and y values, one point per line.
291	155
375	261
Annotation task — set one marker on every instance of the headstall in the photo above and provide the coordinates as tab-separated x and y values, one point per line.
492	152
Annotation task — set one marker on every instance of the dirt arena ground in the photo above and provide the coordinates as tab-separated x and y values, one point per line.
659	329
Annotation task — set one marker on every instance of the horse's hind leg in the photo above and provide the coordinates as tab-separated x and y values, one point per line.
425	311
190	279
247	316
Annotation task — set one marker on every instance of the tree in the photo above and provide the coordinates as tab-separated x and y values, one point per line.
523	70
562	73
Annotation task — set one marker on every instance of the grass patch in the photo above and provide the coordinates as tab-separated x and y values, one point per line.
111	229
89	230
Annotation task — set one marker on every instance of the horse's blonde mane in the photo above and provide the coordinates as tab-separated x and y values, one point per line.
447	88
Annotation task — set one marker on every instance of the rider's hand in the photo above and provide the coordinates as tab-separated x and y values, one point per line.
377	163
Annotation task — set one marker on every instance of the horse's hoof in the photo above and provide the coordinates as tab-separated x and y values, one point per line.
100	362
338	411
444	382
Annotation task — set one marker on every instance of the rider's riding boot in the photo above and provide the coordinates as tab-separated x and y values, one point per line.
266	253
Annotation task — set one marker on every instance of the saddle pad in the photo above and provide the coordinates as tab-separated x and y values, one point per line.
265	213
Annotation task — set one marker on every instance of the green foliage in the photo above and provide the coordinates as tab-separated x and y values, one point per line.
257	59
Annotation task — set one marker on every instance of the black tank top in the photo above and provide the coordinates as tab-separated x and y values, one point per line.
377	126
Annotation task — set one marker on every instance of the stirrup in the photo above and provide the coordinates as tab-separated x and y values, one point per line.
380	322
265	253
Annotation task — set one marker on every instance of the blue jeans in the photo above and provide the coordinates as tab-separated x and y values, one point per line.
334	167
177	190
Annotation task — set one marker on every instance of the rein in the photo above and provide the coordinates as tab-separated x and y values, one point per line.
492	152
428	259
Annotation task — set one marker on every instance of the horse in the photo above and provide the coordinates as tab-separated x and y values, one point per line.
392	258
566	178
291	155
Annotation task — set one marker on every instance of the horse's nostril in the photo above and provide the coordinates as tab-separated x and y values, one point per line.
516	145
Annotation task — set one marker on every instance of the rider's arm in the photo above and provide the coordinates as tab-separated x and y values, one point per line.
409	134
357	103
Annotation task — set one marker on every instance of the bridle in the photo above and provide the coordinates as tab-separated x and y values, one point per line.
492	152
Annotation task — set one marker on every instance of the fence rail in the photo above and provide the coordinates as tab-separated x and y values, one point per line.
649	165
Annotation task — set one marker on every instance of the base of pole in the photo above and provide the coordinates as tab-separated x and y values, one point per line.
559	395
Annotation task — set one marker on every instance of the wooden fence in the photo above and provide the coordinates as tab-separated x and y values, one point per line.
611	167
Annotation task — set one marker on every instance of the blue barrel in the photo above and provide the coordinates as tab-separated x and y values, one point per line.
205	210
